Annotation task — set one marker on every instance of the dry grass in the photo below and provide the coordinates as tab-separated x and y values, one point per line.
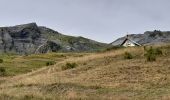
100	76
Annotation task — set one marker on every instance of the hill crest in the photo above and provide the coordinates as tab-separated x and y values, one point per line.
148	38
27	38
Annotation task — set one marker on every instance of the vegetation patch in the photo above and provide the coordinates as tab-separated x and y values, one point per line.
69	66
101	76
1	60
6	97
49	63
152	53
31	97
11	65
128	55
2	71
158	51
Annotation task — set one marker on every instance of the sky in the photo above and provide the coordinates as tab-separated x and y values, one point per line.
100	20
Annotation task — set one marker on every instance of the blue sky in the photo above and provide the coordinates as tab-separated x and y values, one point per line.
100	20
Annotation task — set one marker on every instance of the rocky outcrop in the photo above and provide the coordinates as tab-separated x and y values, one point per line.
20	39
30	38
148	38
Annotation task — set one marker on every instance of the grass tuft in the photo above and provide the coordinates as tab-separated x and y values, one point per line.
128	55
69	66
49	63
2	71
1	61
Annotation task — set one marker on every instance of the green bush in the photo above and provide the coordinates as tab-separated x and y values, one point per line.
50	63
158	51
2	71
152	53
69	66
151	57
128	55
1	61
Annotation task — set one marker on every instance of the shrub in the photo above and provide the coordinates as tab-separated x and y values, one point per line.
151	57
50	63
128	55
69	66
151	54
2	71
28	97
158	51
1	60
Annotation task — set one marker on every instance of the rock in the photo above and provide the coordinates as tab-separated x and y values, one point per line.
30	38
148	38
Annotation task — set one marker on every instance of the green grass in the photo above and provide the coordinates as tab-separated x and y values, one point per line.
15	64
19	65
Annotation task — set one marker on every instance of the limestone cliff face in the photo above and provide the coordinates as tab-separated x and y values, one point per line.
30	38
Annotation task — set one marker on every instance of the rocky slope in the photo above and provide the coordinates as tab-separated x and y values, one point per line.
30	38
148	38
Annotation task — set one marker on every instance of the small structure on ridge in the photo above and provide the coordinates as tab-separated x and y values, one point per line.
129	43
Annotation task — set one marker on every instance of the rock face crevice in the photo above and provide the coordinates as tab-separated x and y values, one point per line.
30	38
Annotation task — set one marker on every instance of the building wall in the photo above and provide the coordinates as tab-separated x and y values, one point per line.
128	44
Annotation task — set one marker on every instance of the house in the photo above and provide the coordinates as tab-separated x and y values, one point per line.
129	43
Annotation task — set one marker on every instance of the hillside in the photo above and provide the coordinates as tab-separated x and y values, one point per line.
93	76
148	38
30	38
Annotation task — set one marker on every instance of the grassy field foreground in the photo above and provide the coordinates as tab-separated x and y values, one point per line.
96	76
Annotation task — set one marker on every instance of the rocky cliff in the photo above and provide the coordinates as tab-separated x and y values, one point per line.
30	38
148	38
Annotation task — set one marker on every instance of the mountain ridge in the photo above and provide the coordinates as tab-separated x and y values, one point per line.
27	38
147	38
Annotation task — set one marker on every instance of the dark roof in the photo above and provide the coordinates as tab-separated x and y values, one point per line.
130	41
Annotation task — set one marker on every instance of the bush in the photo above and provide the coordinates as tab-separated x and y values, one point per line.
50	63
158	51
1	61
152	53
69	66
151	57
128	55
2	71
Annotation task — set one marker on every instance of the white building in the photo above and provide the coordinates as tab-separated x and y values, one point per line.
129	43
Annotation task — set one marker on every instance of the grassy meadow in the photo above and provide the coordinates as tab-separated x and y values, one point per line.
115	74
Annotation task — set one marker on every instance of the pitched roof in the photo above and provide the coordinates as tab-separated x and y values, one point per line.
126	39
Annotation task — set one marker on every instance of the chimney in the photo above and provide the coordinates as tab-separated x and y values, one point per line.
127	36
